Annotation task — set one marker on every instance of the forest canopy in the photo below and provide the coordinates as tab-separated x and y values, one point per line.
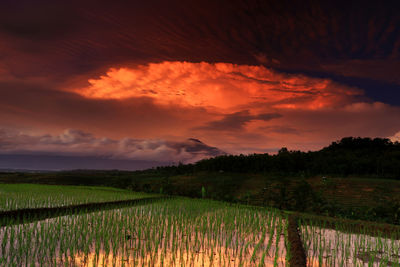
349	156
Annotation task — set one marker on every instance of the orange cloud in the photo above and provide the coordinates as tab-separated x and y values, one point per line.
237	108
246	109
396	137
221	86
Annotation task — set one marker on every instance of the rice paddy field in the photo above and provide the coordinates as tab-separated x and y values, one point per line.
342	247
22	196
175	232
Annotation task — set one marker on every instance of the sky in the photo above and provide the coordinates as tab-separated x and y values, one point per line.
136	84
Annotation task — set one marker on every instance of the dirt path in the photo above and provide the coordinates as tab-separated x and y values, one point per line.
298	256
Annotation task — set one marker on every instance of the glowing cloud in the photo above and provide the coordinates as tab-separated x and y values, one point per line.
237	108
224	86
396	137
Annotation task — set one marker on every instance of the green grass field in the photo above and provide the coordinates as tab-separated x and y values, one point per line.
367	198
349	191
20	196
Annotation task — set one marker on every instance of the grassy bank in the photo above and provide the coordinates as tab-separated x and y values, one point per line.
365	198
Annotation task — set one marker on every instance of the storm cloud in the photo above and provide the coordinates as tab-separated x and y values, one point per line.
291	36
243	76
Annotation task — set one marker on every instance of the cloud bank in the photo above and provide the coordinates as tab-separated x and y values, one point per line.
82	144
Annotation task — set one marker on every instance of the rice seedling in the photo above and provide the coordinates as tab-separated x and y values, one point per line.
176	232
341	247
20	196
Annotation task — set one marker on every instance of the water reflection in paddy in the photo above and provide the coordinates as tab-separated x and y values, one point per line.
178	232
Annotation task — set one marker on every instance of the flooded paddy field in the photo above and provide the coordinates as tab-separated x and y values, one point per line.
175	232
154	230
342	247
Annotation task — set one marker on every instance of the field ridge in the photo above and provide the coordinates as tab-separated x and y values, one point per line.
26	215
297	254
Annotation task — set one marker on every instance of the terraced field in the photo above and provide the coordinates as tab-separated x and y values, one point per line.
180	232
356	192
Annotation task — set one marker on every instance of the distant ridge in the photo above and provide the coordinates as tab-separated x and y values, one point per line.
49	163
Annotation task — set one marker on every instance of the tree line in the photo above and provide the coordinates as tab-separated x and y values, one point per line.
378	157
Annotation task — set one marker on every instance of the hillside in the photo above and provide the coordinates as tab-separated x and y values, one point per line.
356	178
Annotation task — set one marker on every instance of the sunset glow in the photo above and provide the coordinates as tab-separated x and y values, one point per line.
199	133
247	79
220	86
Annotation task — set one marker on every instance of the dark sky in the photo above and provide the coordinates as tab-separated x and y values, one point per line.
241	76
